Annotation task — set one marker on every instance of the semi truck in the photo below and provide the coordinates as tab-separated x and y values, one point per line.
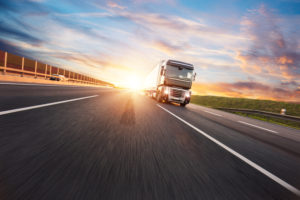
171	81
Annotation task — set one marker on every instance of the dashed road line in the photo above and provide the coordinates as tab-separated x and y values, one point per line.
213	113
258	127
35	84
43	105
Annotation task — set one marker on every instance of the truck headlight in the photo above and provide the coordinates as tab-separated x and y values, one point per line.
167	91
187	94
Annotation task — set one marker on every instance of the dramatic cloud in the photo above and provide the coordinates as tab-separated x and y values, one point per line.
15	33
112	39
273	51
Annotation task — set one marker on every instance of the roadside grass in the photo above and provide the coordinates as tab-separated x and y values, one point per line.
273	120
243	103
253	104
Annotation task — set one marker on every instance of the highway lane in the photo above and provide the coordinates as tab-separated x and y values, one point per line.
262	147
23	94
286	132
121	145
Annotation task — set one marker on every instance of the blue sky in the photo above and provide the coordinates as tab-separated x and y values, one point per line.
239	48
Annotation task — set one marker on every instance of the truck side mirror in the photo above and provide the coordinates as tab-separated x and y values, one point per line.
162	71
194	76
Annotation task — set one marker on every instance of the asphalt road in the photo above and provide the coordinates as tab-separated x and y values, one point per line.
122	145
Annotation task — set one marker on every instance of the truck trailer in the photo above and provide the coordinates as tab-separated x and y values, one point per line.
170	81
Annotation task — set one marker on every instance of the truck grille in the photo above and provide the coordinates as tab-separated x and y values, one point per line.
176	93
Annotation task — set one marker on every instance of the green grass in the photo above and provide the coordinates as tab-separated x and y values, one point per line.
242	103
253	104
273	120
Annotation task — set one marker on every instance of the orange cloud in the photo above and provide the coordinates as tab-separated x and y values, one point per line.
166	47
113	4
285	60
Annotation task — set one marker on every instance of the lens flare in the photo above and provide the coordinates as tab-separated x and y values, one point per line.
134	82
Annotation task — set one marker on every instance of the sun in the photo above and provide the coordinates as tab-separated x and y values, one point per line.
134	82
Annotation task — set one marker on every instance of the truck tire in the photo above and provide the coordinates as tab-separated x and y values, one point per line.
182	104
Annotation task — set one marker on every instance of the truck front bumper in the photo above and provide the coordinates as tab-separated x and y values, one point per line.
176	95
170	98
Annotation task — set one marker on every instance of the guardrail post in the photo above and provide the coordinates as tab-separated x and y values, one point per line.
50	70
5	62
22	73
35	69
69	75
282	111
46	71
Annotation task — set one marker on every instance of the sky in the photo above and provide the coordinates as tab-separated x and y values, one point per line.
240	48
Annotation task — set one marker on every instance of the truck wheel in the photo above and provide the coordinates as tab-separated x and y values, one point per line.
182	104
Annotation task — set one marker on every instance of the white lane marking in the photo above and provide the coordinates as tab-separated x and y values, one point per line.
43	105
33	84
213	113
258	127
238	155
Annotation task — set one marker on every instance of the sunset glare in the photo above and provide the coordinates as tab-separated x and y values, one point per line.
134	83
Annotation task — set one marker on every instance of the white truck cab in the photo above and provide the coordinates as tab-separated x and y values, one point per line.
171	81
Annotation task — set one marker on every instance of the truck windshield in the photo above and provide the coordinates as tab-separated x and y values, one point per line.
179	73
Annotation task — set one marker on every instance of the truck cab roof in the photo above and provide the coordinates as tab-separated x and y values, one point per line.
180	64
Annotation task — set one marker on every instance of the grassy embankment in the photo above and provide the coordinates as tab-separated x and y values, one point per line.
253	104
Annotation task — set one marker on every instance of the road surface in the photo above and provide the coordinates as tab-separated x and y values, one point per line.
62	142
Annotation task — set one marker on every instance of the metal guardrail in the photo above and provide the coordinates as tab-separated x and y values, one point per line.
10	63
264	113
